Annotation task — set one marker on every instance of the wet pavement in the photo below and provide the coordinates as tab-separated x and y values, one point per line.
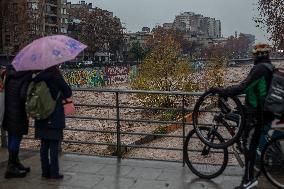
89	172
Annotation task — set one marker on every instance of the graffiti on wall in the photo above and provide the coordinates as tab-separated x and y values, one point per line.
100	76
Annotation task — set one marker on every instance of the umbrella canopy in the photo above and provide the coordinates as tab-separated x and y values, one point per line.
47	52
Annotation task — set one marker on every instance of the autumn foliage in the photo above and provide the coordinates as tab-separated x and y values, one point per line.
271	18
97	29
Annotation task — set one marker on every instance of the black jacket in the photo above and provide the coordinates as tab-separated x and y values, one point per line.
255	86
15	117
52	127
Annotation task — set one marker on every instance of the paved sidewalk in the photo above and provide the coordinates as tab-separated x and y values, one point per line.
109	173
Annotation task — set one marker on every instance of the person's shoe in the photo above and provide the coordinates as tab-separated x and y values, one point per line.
248	185
47	176
22	167
14	172
59	176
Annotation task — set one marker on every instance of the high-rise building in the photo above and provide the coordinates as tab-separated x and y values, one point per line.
63	17
196	25
28	20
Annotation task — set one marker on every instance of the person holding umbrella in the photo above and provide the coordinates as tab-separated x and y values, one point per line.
43	55
15	120
50	130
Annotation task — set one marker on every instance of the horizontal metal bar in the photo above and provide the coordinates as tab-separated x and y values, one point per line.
215	151
125	120
152	134
138	91
150	147
89	143
91	131
91	118
148	159
131	107
152	121
131	146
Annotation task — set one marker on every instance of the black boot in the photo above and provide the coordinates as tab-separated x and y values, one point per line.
20	165
12	169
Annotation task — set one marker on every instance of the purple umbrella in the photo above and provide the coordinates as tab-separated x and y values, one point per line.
46	52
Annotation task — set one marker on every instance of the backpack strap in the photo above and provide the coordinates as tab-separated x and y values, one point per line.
58	96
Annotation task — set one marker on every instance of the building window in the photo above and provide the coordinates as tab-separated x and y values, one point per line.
63	11
7	40
63	30
35	6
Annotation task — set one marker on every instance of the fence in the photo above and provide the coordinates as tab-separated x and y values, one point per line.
119	117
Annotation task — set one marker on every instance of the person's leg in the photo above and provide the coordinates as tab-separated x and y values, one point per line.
45	166
253	150
13	147
263	140
248	155
246	141
248	144
54	164
10	148
9	141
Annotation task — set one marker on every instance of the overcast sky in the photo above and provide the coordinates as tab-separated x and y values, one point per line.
235	15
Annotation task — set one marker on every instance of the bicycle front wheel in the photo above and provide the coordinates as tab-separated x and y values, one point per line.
272	161
223	115
202	160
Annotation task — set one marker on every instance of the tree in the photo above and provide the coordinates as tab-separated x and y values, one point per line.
137	51
163	69
187	47
214	73
97	29
271	17
14	24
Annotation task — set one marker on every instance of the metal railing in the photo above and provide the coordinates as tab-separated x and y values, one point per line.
182	108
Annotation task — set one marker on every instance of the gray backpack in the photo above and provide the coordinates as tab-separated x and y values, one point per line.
274	101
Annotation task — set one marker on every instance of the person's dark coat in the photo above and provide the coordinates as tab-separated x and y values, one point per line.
15	117
52	128
255	86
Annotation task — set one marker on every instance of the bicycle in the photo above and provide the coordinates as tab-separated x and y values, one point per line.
213	165
228	118
272	158
207	169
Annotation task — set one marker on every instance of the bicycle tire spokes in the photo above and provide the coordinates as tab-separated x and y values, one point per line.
226	118
272	161
202	160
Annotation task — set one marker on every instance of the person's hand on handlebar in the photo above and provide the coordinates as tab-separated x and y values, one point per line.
218	90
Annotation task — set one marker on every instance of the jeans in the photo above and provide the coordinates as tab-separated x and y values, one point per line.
14	142
49	149
251	138
264	139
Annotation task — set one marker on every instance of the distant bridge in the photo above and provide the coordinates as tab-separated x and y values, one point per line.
244	61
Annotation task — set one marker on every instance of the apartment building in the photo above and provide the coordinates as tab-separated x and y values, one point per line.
28	20
196	26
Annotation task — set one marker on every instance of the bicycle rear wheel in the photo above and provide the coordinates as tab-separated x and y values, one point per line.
223	115
272	161
203	161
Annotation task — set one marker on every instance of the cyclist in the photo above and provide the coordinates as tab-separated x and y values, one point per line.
255	86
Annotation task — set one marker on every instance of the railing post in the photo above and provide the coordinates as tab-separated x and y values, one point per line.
3	138
118	140
183	127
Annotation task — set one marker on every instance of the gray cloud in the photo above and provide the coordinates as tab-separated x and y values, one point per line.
235	15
